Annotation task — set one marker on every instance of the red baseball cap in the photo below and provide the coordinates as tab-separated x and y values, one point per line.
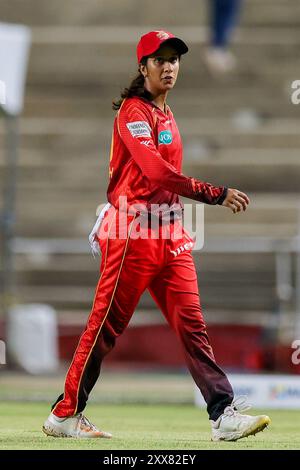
150	42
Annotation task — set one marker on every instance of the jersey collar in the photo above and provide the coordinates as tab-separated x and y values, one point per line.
167	109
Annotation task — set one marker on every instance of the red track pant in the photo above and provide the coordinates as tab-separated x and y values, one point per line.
128	267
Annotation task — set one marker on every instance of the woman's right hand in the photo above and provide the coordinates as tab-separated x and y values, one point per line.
236	200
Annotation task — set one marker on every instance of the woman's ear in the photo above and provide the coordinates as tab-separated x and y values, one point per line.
143	70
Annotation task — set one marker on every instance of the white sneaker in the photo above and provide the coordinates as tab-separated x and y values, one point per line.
218	60
77	426
232	425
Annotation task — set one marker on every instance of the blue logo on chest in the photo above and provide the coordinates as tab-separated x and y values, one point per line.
165	137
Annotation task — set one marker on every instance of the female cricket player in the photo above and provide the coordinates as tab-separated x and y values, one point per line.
145	172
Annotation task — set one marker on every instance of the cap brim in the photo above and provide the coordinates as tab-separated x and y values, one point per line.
178	44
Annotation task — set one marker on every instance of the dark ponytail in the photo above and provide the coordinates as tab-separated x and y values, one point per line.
136	88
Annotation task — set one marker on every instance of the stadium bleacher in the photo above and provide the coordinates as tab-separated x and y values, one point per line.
241	130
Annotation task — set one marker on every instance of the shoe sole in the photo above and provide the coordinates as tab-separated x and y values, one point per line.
259	426
53	433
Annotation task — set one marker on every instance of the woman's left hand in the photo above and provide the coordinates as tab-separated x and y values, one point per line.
236	200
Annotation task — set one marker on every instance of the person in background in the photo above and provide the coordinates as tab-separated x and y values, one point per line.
224	15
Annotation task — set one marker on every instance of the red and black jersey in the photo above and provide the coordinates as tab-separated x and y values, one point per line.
146	159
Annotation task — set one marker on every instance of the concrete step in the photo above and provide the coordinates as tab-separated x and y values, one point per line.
268	13
46	225
200	145
250	177
239	169
74	217
84	263
100	57
47	211
81	136
78	318
220	296
116	12
214	101
47	221
81	279
68	281
99	12
198	151
77	102
196	161
35	127
81	225
87	279
264	208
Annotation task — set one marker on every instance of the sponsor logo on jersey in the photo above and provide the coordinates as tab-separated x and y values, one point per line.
165	137
146	142
139	129
187	246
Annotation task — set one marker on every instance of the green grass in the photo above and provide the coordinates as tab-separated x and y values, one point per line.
140	427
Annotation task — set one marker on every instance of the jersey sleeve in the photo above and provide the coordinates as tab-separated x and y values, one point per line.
136	131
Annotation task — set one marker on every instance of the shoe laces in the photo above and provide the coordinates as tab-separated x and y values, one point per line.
238	405
84	422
